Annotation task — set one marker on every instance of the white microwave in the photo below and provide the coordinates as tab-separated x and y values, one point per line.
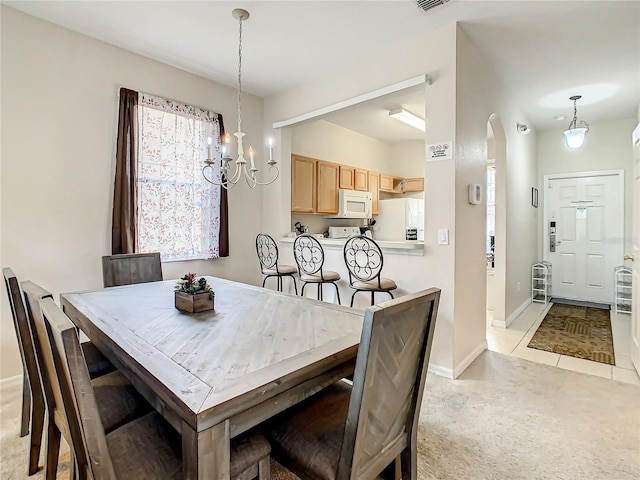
353	204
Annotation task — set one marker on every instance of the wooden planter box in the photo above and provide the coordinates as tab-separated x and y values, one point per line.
194	303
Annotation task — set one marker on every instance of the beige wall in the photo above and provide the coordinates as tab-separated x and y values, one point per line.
433	54
59	115
480	93
607	146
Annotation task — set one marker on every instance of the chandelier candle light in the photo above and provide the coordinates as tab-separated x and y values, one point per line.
574	136
226	178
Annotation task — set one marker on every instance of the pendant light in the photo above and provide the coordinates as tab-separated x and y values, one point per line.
574	135
228	177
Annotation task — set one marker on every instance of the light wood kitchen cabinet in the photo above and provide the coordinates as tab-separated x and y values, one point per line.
346	177
386	182
374	185
361	179
413	185
327	187
303	184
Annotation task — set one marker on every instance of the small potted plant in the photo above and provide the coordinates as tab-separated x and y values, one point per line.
193	294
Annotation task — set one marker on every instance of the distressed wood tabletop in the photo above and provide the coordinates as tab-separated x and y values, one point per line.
216	374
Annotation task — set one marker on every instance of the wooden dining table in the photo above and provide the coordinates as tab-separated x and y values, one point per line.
215	374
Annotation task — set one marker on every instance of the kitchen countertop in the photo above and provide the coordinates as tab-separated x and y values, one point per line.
395	247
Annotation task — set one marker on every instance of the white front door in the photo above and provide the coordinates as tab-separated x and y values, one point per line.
586	210
635	296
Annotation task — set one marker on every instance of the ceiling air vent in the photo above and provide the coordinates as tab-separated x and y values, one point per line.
429	4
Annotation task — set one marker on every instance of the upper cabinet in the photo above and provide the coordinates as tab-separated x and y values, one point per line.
303	184
347	177
315	184
361	179
413	185
327	187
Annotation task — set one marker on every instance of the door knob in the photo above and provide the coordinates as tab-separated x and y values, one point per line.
629	257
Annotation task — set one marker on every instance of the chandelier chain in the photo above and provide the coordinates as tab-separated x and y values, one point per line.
240	78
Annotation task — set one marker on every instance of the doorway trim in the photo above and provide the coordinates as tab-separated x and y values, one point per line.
596	173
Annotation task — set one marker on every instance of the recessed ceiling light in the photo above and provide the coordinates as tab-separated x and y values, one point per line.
559	117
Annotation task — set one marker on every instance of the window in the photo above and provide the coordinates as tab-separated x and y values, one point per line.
178	211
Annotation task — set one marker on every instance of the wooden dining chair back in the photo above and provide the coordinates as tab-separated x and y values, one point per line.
76	394
309	256
354	433
33	402
127	269
267	251
364	260
118	403
146	448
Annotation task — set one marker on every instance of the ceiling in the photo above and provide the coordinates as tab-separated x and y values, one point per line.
544	51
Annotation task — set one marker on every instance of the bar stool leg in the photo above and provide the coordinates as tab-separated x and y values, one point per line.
373	297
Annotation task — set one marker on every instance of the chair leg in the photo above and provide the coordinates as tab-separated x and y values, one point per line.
320	291
279	283
373	297
389	292
304	284
295	284
337	292
52	450
37	425
264	281
264	469
352	297
26	404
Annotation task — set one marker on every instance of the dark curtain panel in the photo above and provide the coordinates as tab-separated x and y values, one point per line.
124	222
224	209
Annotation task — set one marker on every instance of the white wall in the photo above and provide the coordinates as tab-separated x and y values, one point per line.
457	109
607	146
59	117
433	53
480	93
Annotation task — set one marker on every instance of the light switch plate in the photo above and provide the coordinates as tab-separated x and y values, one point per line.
443	236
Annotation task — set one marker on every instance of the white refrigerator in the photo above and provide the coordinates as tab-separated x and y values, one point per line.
396	215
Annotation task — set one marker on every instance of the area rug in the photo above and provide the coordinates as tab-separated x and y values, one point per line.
577	331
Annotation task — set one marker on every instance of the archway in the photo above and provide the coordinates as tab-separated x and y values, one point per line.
497	157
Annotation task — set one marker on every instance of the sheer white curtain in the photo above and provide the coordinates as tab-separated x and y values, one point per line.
178	211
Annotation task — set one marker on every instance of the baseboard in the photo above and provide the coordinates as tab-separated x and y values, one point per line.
513	316
441	371
462	366
9	381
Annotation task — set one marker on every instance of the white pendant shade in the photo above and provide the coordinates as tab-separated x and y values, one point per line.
574	137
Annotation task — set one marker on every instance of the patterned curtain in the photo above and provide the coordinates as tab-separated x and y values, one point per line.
178	211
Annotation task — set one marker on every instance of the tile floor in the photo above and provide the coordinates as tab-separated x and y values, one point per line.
514	340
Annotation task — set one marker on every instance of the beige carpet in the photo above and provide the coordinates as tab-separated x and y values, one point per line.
577	331
503	419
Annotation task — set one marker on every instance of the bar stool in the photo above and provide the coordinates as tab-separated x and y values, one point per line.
267	251
364	260
309	256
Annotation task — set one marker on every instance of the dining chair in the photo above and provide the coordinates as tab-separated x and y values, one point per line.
309	257
33	406
364	260
144	449
355	432
118	401
267	251
130	268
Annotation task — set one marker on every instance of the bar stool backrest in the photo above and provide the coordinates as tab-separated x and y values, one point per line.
309	254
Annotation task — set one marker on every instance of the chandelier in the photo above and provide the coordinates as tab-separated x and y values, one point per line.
574	135
229	176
